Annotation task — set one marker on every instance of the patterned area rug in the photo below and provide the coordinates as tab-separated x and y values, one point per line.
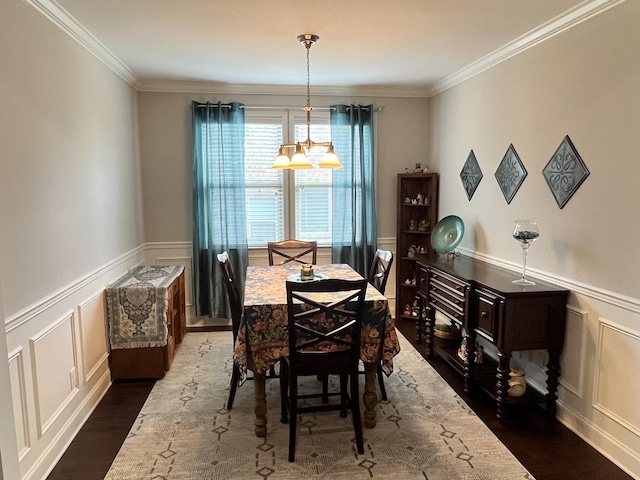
424	431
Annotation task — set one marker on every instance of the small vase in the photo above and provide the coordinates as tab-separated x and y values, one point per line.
517	384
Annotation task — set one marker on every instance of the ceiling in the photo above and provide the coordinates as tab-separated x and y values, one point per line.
404	45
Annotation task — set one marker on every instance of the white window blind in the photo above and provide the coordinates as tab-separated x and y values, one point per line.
313	189
264	186
285	204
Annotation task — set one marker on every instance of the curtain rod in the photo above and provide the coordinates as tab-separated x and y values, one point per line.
282	107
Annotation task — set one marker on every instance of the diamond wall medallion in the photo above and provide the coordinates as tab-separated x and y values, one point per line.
470	175
565	172
510	174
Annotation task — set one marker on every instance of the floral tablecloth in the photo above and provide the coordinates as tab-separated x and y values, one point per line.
263	337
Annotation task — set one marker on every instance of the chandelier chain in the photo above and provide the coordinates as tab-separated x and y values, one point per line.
299	159
308	77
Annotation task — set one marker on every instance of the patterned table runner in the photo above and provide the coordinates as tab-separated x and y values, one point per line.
137	307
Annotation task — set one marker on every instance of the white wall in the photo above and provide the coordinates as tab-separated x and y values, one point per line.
584	83
71	216
166	137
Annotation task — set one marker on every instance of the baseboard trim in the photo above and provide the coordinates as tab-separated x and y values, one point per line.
600	440
210	328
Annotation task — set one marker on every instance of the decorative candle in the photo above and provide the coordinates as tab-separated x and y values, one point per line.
306	273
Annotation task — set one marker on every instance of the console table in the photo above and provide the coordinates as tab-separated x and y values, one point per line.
481	299
146	316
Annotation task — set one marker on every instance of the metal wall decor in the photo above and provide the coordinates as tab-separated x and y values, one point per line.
565	172
510	174
470	175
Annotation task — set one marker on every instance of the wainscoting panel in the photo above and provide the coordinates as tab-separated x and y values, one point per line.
617	385
93	335
18	394
573	360
187	263
58	363
55	382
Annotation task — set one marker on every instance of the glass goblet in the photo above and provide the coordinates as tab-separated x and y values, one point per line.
526	232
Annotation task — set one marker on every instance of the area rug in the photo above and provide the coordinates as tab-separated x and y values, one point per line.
424	431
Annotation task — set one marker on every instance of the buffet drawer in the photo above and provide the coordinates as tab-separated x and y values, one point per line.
487	319
447	295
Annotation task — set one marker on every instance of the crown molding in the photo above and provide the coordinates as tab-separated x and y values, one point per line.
553	27
168	86
60	17
68	24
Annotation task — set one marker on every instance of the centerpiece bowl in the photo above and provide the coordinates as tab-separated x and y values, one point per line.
447	234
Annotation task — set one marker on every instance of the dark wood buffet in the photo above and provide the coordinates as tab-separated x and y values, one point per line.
481	299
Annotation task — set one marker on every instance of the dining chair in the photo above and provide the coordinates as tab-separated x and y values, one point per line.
378	276
324	339
292	251
235	303
380	268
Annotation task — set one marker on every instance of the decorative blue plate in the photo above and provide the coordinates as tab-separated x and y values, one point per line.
447	234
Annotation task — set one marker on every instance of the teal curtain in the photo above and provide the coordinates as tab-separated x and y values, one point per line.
354	230
219	220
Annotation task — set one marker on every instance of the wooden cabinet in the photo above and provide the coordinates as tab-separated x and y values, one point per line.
177	304
417	214
481	299
134	330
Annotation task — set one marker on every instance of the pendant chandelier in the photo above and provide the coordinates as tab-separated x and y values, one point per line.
299	160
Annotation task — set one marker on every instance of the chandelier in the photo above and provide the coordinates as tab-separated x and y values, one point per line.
299	160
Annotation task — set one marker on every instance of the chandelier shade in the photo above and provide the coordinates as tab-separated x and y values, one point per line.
299	160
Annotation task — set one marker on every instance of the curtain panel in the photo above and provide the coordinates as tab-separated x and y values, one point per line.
354	230
219	221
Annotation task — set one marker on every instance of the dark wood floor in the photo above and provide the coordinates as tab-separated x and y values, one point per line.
545	447
92	451
548	449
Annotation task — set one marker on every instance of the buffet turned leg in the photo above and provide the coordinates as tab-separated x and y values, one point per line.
502	386
553	372
429	322
470	352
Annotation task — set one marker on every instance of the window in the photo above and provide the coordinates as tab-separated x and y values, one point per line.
285	203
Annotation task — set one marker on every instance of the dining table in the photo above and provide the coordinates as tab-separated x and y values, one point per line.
263	337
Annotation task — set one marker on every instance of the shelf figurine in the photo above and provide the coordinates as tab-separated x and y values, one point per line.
415	309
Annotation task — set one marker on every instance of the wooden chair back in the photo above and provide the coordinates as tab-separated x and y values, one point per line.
324	338
292	251
380	269
235	302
